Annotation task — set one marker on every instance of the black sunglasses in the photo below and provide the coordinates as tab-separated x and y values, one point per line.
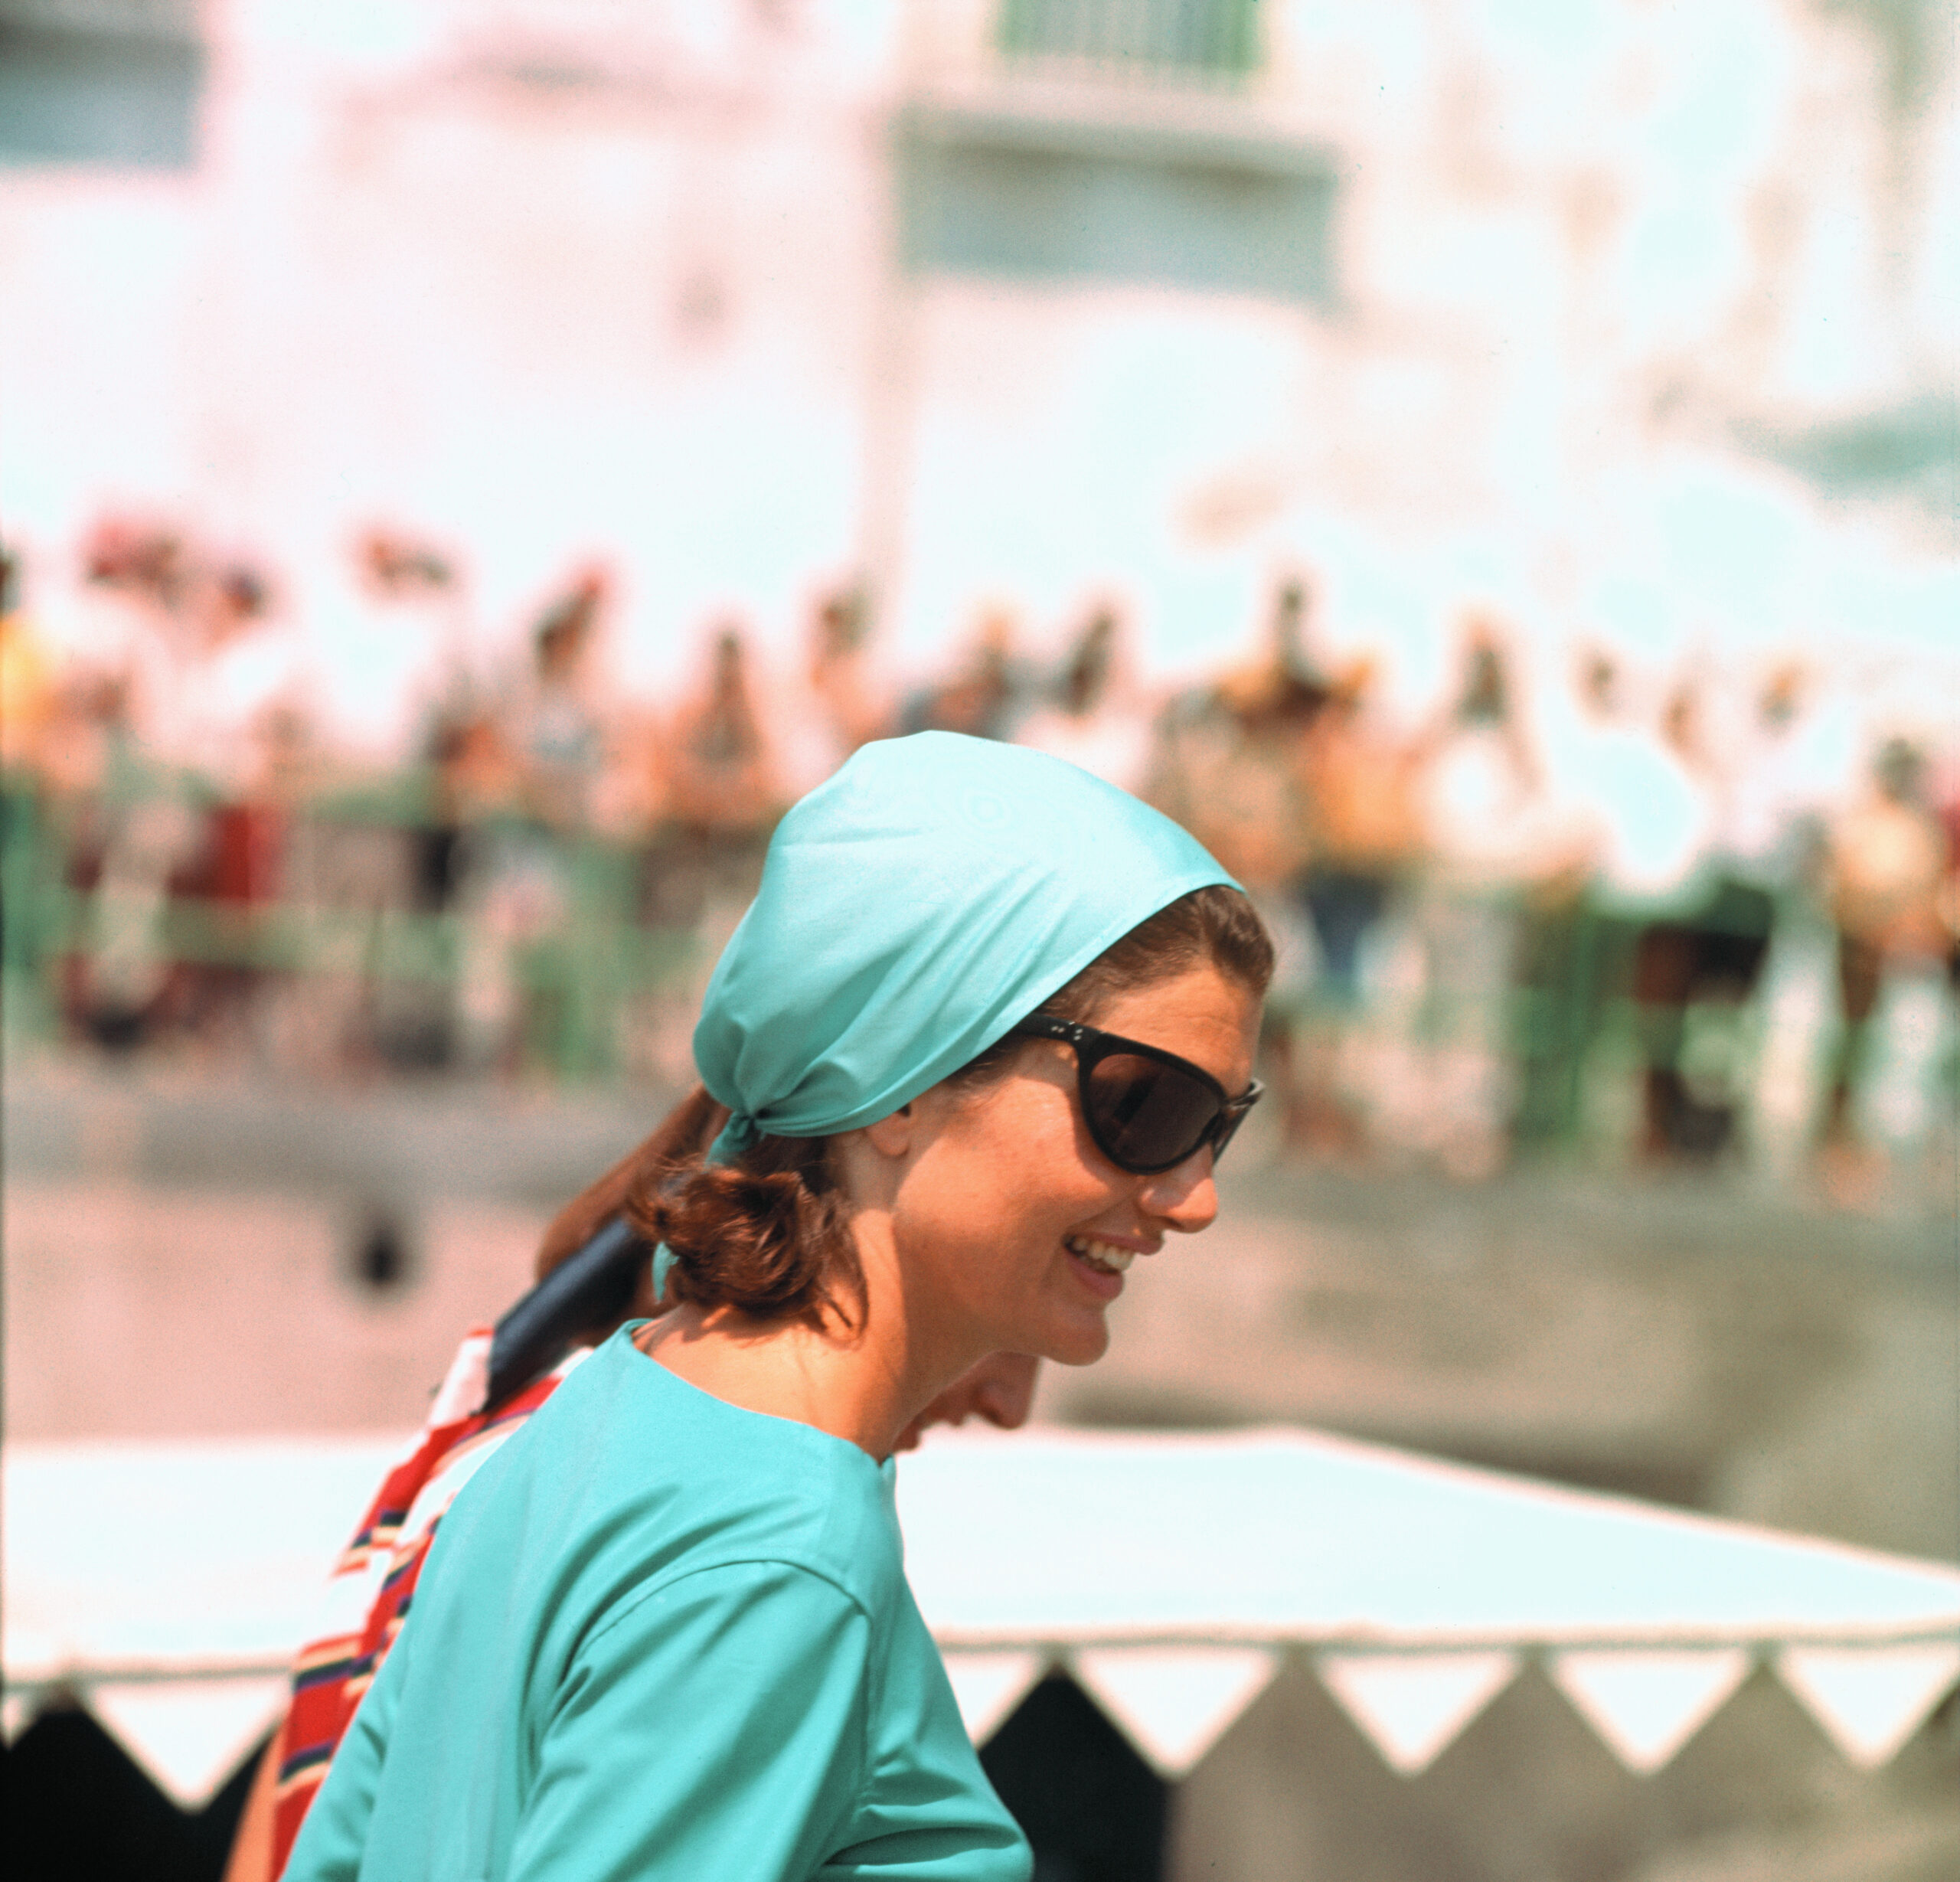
1148	1109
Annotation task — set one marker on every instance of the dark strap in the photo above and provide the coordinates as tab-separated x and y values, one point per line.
590	1286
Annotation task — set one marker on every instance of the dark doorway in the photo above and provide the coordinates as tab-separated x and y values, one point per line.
80	1809
1092	1809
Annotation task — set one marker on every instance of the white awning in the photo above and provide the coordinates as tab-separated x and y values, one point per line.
1170	1575
166	1586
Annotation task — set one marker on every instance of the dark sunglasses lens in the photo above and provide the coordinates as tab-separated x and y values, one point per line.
1146	1116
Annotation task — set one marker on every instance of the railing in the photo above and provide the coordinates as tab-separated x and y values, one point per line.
1483	1026
561	985
113	19
1087	47
1192	40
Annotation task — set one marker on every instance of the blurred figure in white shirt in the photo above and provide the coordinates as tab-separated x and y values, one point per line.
203	685
389	653
1636	823
1494	841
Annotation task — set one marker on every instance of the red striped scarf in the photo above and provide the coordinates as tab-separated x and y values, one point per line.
372	1585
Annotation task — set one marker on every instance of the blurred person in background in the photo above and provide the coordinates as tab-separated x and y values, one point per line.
987	693
1224	757
1890	884
1093	717
1710	955
1480	794
372	849
33	727
1364	833
1225	763
722	771
392	654
427	714
556	715
850	704
422	975
129	831
1770	764
723	794
27	675
245	734
518	783
1943	791
199	687
719	762
1637	824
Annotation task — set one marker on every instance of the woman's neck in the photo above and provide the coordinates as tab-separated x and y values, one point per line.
863	1380
856	1385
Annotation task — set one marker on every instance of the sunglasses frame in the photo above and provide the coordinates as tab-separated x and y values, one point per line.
1092	1046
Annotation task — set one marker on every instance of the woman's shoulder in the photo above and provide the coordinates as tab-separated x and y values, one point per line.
627	1453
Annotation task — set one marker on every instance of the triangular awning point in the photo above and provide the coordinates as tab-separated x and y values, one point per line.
1412	1707
988	1686
1646	1704
1870	1700
1174	1703
189	1735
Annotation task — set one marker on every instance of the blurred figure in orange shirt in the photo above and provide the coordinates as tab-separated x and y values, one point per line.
722	782
1229	762
1890	884
1365	835
721	789
27	696
852	700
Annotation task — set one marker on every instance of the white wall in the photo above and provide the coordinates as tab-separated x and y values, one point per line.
639	311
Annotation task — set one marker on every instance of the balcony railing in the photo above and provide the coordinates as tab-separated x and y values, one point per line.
1143	49
1198	40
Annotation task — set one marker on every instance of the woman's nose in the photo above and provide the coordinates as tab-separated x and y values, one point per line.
1185	1199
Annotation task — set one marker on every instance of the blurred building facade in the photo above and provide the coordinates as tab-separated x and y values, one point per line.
1626	319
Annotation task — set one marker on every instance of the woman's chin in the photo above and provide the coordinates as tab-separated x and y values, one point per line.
1080	1344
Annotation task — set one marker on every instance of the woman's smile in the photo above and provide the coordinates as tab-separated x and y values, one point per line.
1104	1257
1025	1226
1098	1265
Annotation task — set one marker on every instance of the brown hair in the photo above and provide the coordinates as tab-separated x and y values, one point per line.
682	1138
769	1234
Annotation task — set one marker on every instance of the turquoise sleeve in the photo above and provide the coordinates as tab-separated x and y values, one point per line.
717	1729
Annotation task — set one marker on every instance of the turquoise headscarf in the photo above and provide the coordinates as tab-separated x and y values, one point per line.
934	891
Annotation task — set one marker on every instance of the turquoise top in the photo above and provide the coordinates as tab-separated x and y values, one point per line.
913	907
660	1635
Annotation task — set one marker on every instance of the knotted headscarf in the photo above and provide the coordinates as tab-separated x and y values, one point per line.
932	892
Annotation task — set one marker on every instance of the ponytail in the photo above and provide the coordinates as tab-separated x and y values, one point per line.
768	1235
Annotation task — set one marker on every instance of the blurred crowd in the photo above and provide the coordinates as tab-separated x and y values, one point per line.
1568	877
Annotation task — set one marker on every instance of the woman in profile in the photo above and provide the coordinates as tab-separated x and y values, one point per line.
981	1036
